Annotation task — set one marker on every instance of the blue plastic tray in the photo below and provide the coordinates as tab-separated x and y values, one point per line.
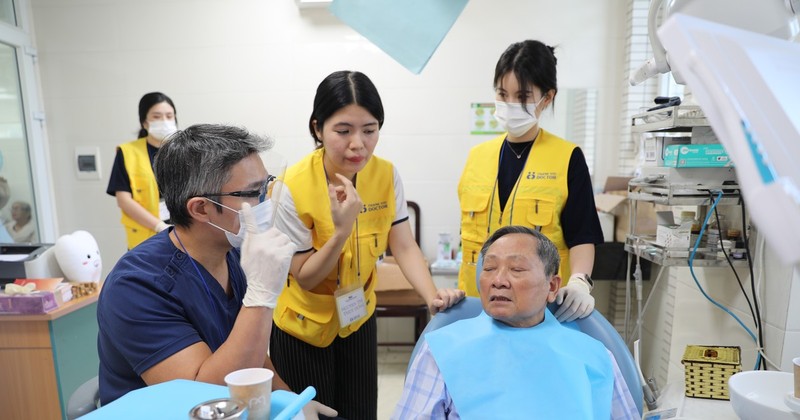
174	399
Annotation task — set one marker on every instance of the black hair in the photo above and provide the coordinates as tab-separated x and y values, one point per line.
533	63
198	160
338	90
147	102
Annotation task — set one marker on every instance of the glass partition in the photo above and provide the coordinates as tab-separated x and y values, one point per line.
7	12
17	203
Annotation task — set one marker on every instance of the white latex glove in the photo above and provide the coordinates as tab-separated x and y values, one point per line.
161	226
314	409
575	301
266	257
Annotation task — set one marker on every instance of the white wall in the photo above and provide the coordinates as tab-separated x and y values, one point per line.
257	63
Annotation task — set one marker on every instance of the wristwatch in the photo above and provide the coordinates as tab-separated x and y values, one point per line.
585	278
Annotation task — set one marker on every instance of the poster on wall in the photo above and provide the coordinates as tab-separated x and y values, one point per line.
482	120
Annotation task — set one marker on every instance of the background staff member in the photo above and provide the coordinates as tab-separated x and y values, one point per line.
532	178
342	207
132	181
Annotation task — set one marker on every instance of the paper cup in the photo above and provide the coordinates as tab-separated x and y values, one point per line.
796	362
254	387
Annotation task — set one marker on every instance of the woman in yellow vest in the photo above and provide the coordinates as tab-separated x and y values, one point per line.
530	177
132	181
342	206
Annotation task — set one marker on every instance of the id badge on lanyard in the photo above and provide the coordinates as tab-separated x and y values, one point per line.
350	304
350	301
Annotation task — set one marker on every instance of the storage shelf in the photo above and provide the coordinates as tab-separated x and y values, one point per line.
671	188
670	194
646	247
674	118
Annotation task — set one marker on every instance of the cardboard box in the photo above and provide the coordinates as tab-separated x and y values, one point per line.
607	225
390	277
653	147
696	156
614	200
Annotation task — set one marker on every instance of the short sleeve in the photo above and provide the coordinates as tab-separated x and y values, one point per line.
145	322
579	219
400	204
288	222
119	181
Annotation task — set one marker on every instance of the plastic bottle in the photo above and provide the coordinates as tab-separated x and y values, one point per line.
716	231
690	223
443	250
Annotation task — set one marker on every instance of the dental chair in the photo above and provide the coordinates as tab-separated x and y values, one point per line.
595	325
84	400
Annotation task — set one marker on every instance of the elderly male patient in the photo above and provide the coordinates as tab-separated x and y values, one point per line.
515	360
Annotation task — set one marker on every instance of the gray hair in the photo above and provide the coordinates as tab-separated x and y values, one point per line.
198	160
546	251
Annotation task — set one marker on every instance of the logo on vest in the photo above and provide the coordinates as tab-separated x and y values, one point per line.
540	175
374	206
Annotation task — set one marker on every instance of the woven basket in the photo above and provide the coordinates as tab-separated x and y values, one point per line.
707	369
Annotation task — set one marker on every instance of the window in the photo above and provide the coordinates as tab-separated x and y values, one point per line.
26	209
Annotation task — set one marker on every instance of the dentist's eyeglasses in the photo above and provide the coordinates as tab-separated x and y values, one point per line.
262	193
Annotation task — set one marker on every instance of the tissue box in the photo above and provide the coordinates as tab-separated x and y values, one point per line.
707	369
673	236
34	303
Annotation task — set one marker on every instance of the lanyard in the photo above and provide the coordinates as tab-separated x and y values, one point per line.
513	197
358	249
358	261
205	285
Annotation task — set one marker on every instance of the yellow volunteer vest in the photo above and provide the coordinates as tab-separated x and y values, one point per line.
310	315
536	201
144	189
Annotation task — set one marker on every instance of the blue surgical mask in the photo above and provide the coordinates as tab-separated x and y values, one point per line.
263	213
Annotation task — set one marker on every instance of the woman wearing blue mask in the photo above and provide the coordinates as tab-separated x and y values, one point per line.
530	177
132	181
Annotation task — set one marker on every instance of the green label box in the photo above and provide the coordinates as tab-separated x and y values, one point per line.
696	156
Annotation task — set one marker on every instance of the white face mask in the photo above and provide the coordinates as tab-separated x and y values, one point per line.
161	129
263	213
514	118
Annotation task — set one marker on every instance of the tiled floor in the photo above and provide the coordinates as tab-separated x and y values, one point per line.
392	364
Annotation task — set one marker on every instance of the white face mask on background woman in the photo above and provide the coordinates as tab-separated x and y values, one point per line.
263	214
514	118
161	129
